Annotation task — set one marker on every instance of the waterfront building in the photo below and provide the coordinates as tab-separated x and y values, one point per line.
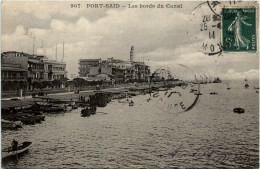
20	70
54	70
85	64
141	71
161	74
14	70
35	69
120	70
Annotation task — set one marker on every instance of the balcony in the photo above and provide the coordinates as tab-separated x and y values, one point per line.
14	78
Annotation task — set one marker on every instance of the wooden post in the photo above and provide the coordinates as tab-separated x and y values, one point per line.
21	92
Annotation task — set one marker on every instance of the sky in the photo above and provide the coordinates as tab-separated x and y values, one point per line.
162	37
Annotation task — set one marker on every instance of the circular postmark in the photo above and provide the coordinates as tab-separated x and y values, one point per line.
206	29
176	88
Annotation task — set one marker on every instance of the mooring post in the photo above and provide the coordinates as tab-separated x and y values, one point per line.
21	92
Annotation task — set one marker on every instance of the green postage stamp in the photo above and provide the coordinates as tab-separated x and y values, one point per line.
239	30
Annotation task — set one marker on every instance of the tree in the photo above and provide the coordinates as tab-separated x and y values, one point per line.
79	82
35	85
57	83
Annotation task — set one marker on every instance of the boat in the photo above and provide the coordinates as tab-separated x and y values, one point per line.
131	103
192	90
246	85
228	88
42	104
124	101
88	111
198	92
239	110
7	152
148	100
5	124
217	80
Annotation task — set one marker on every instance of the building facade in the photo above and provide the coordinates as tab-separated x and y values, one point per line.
21	70
54	70
85	64
119	70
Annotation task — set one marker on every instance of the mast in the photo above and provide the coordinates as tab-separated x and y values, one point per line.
62	52
56	52
33	44
206	78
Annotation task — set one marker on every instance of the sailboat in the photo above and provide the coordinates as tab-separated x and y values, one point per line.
228	86
246	85
198	92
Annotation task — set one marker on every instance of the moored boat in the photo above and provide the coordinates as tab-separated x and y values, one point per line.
239	110
8	152
131	103
88	111
124	101
44	104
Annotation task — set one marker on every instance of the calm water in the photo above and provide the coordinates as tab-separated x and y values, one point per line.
123	136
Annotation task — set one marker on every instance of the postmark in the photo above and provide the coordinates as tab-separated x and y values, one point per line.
239	29
180	93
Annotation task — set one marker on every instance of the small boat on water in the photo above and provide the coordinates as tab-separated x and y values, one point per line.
192	90
148	100
88	111
43	104
8	152
124	101
239	110
131	103
198	92
246	85
228	88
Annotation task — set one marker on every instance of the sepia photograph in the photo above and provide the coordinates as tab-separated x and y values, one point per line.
129	84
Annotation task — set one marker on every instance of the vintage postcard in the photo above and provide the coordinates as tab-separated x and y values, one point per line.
123	84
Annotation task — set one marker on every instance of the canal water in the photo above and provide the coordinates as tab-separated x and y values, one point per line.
144	135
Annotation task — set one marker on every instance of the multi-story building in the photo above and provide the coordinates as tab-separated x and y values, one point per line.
141	71
85	64
54	70
21	69
120	70
14	70
35	69
161	74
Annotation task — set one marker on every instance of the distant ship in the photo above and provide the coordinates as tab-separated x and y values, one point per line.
217	80
246	85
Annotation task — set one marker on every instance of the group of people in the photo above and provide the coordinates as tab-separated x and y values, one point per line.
82	98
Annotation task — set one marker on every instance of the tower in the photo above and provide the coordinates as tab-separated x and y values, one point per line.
132	54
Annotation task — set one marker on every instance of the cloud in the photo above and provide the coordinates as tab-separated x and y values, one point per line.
233	74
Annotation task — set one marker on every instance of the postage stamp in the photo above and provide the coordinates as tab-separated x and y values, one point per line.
239	30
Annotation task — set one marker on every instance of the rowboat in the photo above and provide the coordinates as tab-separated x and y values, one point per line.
131	103
43	104
7	152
